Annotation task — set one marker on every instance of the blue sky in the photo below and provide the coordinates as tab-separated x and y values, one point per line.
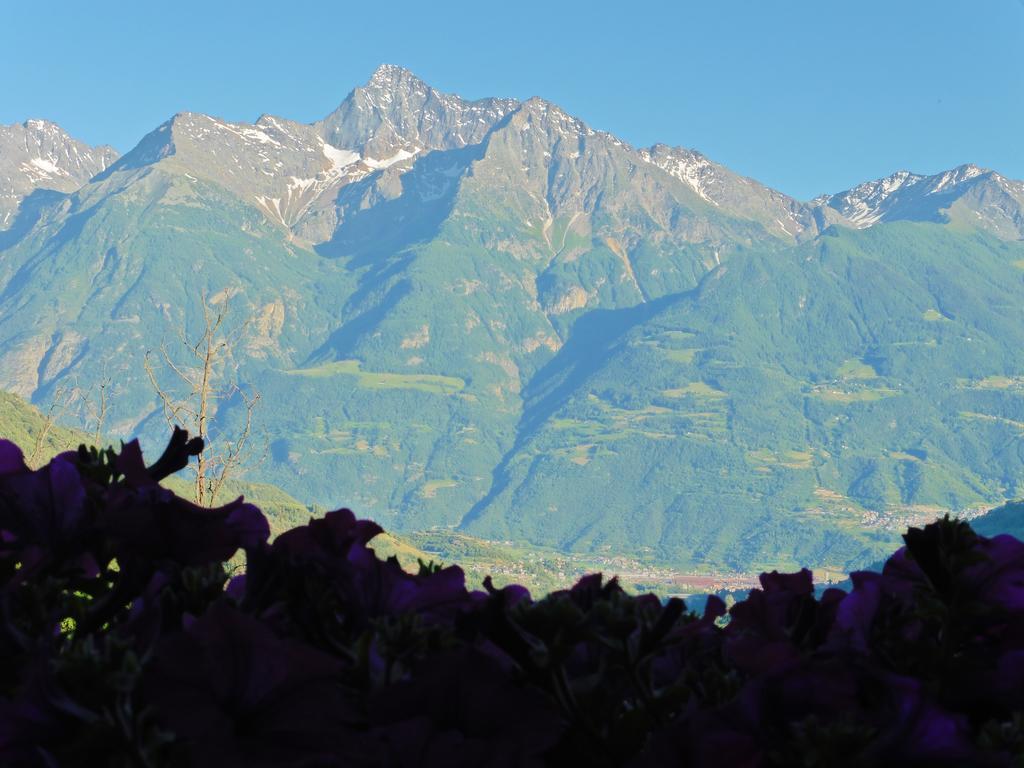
809	96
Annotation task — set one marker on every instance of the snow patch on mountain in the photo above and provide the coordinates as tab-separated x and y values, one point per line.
916	197
396	110
39	154
864	204
47	166
387	162
340	158
691	168
956	176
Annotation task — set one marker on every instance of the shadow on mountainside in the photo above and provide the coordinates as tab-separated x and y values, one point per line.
29	213
376	237
594	336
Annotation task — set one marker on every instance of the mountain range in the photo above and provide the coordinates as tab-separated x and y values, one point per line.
486	316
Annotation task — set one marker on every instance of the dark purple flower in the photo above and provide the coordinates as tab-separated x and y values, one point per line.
334	536
511	594
996	578
331	585
180	448
321	654
462	709
26	730
903	576
12	460
776	624
856	612
235	694
151	524
833	712
45	508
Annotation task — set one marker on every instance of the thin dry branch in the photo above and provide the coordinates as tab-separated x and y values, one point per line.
63	396
211	353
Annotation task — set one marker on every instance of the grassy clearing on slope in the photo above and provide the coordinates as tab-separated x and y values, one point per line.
422	382
429	489
901	456
628	414
970	415
675	335
669	343
790	459
25	426
993	382
856	369
695	389
681	355
853	396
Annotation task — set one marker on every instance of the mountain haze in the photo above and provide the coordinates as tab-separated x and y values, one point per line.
489	316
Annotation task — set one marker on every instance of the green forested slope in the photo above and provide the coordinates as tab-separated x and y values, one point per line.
40	438
539	569
807	404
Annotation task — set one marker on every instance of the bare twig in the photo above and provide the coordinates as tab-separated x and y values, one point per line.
63	397
101	413
201	388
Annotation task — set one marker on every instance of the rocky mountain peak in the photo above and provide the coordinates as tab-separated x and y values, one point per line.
782	215
397	112
390	78
39	154
978	195
687	165
552	118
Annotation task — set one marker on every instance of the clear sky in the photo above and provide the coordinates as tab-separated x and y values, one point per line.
808	96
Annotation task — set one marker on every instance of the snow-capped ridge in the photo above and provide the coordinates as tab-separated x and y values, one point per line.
387	162
395	110
912	196
38	154
389	76
339	158
687	165
557	119
390	124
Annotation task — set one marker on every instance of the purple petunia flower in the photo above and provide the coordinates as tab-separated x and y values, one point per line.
235	694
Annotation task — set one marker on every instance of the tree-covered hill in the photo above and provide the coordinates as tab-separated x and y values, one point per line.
539	569
808	403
